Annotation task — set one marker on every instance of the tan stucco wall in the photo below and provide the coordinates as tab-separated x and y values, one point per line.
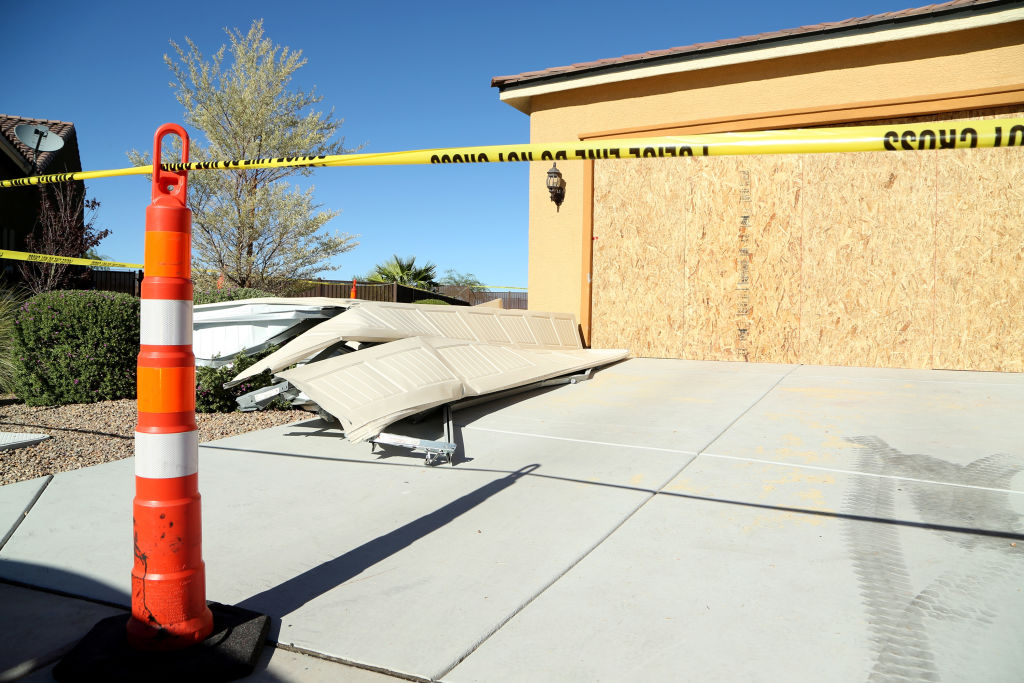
909	76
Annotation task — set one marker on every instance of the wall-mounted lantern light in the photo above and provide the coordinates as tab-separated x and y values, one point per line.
556	186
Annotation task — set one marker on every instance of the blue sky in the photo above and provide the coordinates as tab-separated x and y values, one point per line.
403	75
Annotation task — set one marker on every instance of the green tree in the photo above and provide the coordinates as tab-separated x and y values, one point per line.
453	277
404	271
247	224
94	255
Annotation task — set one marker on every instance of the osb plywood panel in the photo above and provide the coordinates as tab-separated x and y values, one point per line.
711	271
638	252
867	260
979	322
901	260
776	257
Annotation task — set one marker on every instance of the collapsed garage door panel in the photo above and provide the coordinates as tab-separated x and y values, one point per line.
886	260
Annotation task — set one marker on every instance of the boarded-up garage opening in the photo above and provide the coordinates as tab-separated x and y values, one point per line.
909	260
904	259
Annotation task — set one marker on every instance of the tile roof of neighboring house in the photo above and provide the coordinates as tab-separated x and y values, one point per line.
656	56
64	129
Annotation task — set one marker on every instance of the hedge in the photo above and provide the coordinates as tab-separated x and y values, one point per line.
76	347
215	296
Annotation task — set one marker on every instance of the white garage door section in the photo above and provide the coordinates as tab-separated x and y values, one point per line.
372	388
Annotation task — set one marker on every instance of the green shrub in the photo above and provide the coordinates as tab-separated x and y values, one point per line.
215	296
212	397
76	347
432	301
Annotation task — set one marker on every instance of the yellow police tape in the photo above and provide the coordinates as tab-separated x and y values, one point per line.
933	135
67	260
71	261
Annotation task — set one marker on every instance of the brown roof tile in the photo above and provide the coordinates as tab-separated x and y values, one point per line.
835	26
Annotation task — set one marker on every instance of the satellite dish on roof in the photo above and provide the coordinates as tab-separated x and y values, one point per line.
38	137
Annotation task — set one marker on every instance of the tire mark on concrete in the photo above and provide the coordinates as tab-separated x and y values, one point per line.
901	653
957	610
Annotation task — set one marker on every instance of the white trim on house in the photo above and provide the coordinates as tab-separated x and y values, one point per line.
519	96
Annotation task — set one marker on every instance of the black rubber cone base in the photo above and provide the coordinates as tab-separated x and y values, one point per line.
230	653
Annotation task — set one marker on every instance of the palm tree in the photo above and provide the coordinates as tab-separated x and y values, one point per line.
404	272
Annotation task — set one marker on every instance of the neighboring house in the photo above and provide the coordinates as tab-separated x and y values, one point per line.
20	212
909	259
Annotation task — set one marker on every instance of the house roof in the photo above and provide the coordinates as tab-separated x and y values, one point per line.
745	44
22	154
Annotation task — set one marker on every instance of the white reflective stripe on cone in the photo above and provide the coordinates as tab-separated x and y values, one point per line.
166	322
165	456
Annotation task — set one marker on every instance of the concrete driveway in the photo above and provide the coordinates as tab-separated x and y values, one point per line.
667	520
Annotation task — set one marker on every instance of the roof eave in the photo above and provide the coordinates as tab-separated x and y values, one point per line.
15	155
520	93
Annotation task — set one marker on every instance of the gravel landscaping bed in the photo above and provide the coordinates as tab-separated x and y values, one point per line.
87	434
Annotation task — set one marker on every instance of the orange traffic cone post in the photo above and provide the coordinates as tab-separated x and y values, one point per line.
169	609
168	580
